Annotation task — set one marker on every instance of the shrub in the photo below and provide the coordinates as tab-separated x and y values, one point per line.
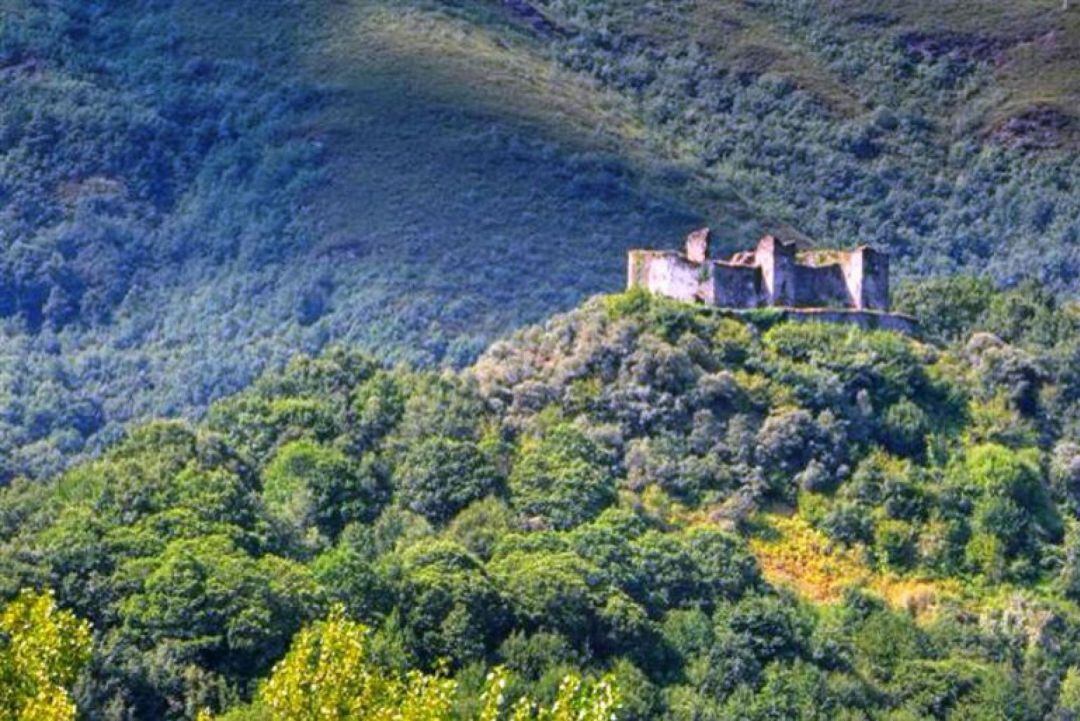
894	544
439	476
904	429
563	478
316	485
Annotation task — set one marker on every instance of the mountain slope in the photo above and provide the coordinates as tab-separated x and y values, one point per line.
273	213
191	192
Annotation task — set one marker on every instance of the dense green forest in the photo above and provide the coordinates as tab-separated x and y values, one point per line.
634	507
193	191
692	514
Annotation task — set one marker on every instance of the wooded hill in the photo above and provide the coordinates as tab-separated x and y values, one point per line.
731	518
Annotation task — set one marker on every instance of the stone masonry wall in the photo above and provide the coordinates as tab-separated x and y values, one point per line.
822	287
866	319
777	262
673	273
875	279
736	286
773	274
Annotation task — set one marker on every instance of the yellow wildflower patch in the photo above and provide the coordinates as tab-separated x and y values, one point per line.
795	555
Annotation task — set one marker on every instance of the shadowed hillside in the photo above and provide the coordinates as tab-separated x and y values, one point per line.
349	196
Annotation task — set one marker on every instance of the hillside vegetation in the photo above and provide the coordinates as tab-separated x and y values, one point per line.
191	191
723	517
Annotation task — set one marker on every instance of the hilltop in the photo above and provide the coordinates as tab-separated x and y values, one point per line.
192	192
786	519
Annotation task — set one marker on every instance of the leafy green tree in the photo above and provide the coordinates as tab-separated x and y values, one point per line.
1015	495
789	691
317	485
1068	700
905	427
725	566
1027	314
956	689
481	525
329	674
793	449
948	308
1065	473
350	576
451	608
379	405
894	543
1070	567
530	656
577	699
215	605
771	626
444	405
554	591
884	640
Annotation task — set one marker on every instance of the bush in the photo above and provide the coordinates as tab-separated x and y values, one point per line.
562	478
438	476
904	429
894	544
317	485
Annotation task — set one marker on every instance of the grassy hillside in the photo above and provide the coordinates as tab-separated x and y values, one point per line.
191	191
731	517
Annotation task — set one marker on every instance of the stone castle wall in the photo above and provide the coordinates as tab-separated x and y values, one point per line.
821	287
678	277
735	286
774	274
875	279
865	319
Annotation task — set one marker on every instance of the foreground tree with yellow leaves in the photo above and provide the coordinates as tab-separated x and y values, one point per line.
328	675
42	650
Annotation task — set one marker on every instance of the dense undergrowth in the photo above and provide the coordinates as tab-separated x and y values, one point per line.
191	192
599	495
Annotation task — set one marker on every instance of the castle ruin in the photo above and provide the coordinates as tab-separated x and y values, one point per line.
831	285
